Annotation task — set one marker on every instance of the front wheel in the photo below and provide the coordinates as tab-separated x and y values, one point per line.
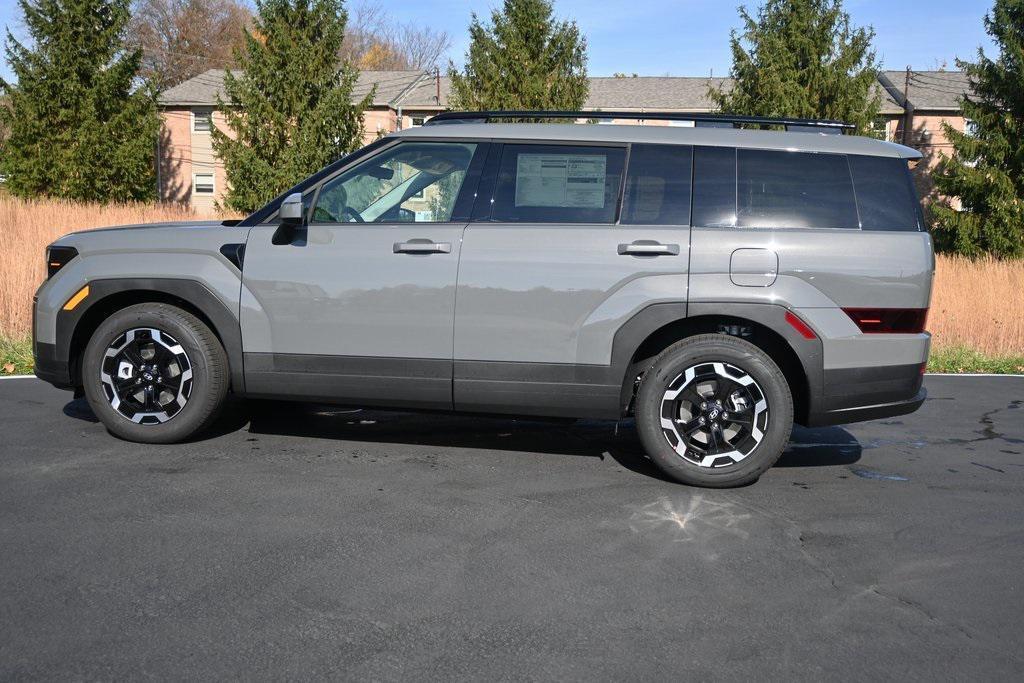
154	373
714	411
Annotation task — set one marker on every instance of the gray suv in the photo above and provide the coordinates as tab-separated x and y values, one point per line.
716	283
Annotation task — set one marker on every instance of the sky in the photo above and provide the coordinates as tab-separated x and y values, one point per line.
691	37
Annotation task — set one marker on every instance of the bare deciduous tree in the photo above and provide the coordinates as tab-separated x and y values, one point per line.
374	40
183	38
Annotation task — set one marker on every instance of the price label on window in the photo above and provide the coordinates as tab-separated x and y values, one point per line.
561	180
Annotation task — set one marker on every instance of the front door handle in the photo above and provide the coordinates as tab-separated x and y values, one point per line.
648	248
422	246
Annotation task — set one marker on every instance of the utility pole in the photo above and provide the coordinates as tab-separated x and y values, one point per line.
437	84
908	110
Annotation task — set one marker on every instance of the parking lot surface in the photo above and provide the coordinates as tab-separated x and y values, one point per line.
313	541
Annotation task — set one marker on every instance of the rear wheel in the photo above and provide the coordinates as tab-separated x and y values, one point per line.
155	373
714	411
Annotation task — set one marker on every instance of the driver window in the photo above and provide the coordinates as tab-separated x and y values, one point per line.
414	182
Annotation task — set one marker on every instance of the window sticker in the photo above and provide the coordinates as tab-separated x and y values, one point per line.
565	180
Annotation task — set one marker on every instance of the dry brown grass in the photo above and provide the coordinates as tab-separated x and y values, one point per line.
26	227
976	304
979	305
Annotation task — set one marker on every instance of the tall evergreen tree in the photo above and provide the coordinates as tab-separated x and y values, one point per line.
802	58
80	126
289	107
986	172
523	60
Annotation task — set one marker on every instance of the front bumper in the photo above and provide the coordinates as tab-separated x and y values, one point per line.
48	368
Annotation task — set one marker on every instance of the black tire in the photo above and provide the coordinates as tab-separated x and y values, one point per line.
205	358
668	373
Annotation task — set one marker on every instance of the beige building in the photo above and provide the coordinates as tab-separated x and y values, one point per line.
189	171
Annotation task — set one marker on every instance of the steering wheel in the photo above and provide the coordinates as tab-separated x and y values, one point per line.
353	214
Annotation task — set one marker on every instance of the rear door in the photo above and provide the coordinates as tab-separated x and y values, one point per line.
359	304
566	247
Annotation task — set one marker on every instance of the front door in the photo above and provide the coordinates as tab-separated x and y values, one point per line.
358	305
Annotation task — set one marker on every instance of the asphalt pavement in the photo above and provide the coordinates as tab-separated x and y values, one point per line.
300	541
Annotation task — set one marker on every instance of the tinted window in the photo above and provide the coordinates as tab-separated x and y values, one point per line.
794	190
415	182
714	186
885	193
658	185
558	184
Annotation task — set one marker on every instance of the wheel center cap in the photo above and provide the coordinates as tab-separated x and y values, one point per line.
714	410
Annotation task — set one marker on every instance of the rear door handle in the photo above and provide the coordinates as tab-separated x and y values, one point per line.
648	248
422	246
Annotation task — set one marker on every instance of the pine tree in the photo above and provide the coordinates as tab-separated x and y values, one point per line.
79	126
802	58
523	60
289	106
986	172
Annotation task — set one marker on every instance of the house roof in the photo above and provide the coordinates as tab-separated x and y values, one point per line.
668	93
418	90
934	90
204	88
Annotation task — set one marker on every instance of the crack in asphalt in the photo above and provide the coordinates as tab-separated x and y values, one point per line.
850	590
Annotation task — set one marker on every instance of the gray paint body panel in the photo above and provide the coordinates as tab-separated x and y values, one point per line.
557	293
344	291
676	135
186	251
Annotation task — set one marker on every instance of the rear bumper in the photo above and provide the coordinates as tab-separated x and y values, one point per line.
868	393
870	412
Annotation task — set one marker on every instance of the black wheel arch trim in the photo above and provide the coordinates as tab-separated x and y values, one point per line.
632	334
195	294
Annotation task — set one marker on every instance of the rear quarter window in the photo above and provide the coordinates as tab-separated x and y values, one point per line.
885	193
794	190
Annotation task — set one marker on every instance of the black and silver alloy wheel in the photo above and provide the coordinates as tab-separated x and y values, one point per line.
714	414
714	410
146	375
155	373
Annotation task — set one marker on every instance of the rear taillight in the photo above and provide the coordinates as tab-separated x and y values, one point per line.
57	258
889	320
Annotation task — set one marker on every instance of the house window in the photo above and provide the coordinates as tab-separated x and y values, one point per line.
879	128
202	183
202	121
415	121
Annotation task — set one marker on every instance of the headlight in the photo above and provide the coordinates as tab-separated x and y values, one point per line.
57	258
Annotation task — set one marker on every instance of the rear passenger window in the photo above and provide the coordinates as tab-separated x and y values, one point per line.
714	187
885	193
658	185
558	184
794	190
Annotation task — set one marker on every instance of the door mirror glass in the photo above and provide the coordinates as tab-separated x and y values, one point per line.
291	209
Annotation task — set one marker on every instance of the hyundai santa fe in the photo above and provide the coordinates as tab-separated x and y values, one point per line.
715	282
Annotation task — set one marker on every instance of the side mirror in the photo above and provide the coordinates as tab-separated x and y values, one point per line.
291	209
290	213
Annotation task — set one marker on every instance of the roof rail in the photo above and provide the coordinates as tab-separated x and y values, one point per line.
701	120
